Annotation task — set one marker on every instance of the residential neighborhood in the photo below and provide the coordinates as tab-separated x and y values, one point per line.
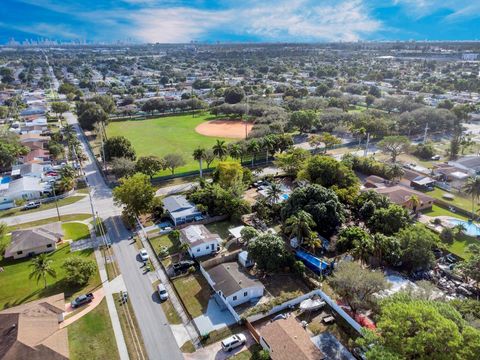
239	199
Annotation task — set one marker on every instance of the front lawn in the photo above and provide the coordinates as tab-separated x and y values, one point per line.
75	231
165	241
194	292
92	337
64	218
17	288
165	135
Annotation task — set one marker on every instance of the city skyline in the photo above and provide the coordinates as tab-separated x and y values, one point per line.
178	21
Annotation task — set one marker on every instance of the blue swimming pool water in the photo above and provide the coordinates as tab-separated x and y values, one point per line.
5	180
285	196
471	229
312	262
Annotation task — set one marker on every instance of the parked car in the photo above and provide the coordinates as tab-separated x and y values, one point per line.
436	157
233	342
162	292
32	205
82	300
143	255
183	265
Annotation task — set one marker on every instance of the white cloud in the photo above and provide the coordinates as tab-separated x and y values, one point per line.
461	9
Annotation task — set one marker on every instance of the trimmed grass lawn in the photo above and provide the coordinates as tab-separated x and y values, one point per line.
17	288
459	246
195	293
62	202
441	211
161	136
171	313
75	231
460	201
221	228
65	218
248	354
92	337
162	241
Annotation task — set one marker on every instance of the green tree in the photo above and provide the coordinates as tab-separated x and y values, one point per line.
329	140
10	148
78	270
106	102
60	107
233	95
349	236
323	204
417	244
292	160
273	193
122	167
229	174
269	253
369	100
119	147
471	266
394	145
135	194
303	120
356	285
300	225
173	161
209	157
253	147
248	233
388	220
472	188
199	155
41	267
220	149
91	115
149	165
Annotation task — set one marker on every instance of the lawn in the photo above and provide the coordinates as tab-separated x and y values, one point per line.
459	245
75	231
195	293
171	313
162	241
249	354
17	288
62	202
441	211
161	136
459	201
92	337
221	228
65	218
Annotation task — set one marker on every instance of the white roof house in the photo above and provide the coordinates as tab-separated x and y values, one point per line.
200	240
180	209
26	188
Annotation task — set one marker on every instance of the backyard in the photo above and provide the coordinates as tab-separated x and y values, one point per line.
92	337
165	241
17	288
165	135
194	292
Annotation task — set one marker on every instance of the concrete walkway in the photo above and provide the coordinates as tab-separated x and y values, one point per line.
162	276
112	310
97	299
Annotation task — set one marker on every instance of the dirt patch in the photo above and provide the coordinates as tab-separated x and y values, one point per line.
234	129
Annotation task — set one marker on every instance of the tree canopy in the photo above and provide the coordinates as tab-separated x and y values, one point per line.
269	252
135	194
119	147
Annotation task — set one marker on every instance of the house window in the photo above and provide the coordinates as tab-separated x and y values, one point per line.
19	252
245	293
234	298
49	245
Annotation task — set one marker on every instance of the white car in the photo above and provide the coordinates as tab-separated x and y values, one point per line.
162	292
143	255
233	342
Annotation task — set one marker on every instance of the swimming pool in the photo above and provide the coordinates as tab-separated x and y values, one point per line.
5	180
284	196
471	229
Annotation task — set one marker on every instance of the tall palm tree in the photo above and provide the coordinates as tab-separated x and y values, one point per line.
253	148
273	193
220	149
235	151
268	145
300	225
199	155
41	267
472	188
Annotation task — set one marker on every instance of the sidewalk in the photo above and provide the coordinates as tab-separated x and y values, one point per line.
162	276
112	310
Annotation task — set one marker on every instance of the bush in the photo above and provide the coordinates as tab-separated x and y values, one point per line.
79	270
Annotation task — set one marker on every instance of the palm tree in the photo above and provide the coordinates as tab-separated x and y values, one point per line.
300	225
64	184
41	267
472	187
273	193
199	155
268	145
312	242
414	202
235	151
253	148
220	149
362	249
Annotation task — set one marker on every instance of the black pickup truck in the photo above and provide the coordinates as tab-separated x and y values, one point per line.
82	300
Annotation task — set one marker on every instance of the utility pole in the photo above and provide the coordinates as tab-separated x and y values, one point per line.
366	145
246	118
425	134
56	202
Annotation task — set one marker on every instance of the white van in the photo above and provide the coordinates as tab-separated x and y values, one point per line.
162	292
233	342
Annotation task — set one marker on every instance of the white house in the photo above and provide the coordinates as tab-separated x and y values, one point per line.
180	209
200	240
232	284
26	188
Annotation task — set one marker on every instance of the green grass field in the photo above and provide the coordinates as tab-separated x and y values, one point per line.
62	202
92	337
75	231
161	136
17	288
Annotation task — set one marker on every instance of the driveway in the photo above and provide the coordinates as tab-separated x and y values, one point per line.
214	318
215	352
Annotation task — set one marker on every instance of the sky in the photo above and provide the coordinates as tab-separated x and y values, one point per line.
182	21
